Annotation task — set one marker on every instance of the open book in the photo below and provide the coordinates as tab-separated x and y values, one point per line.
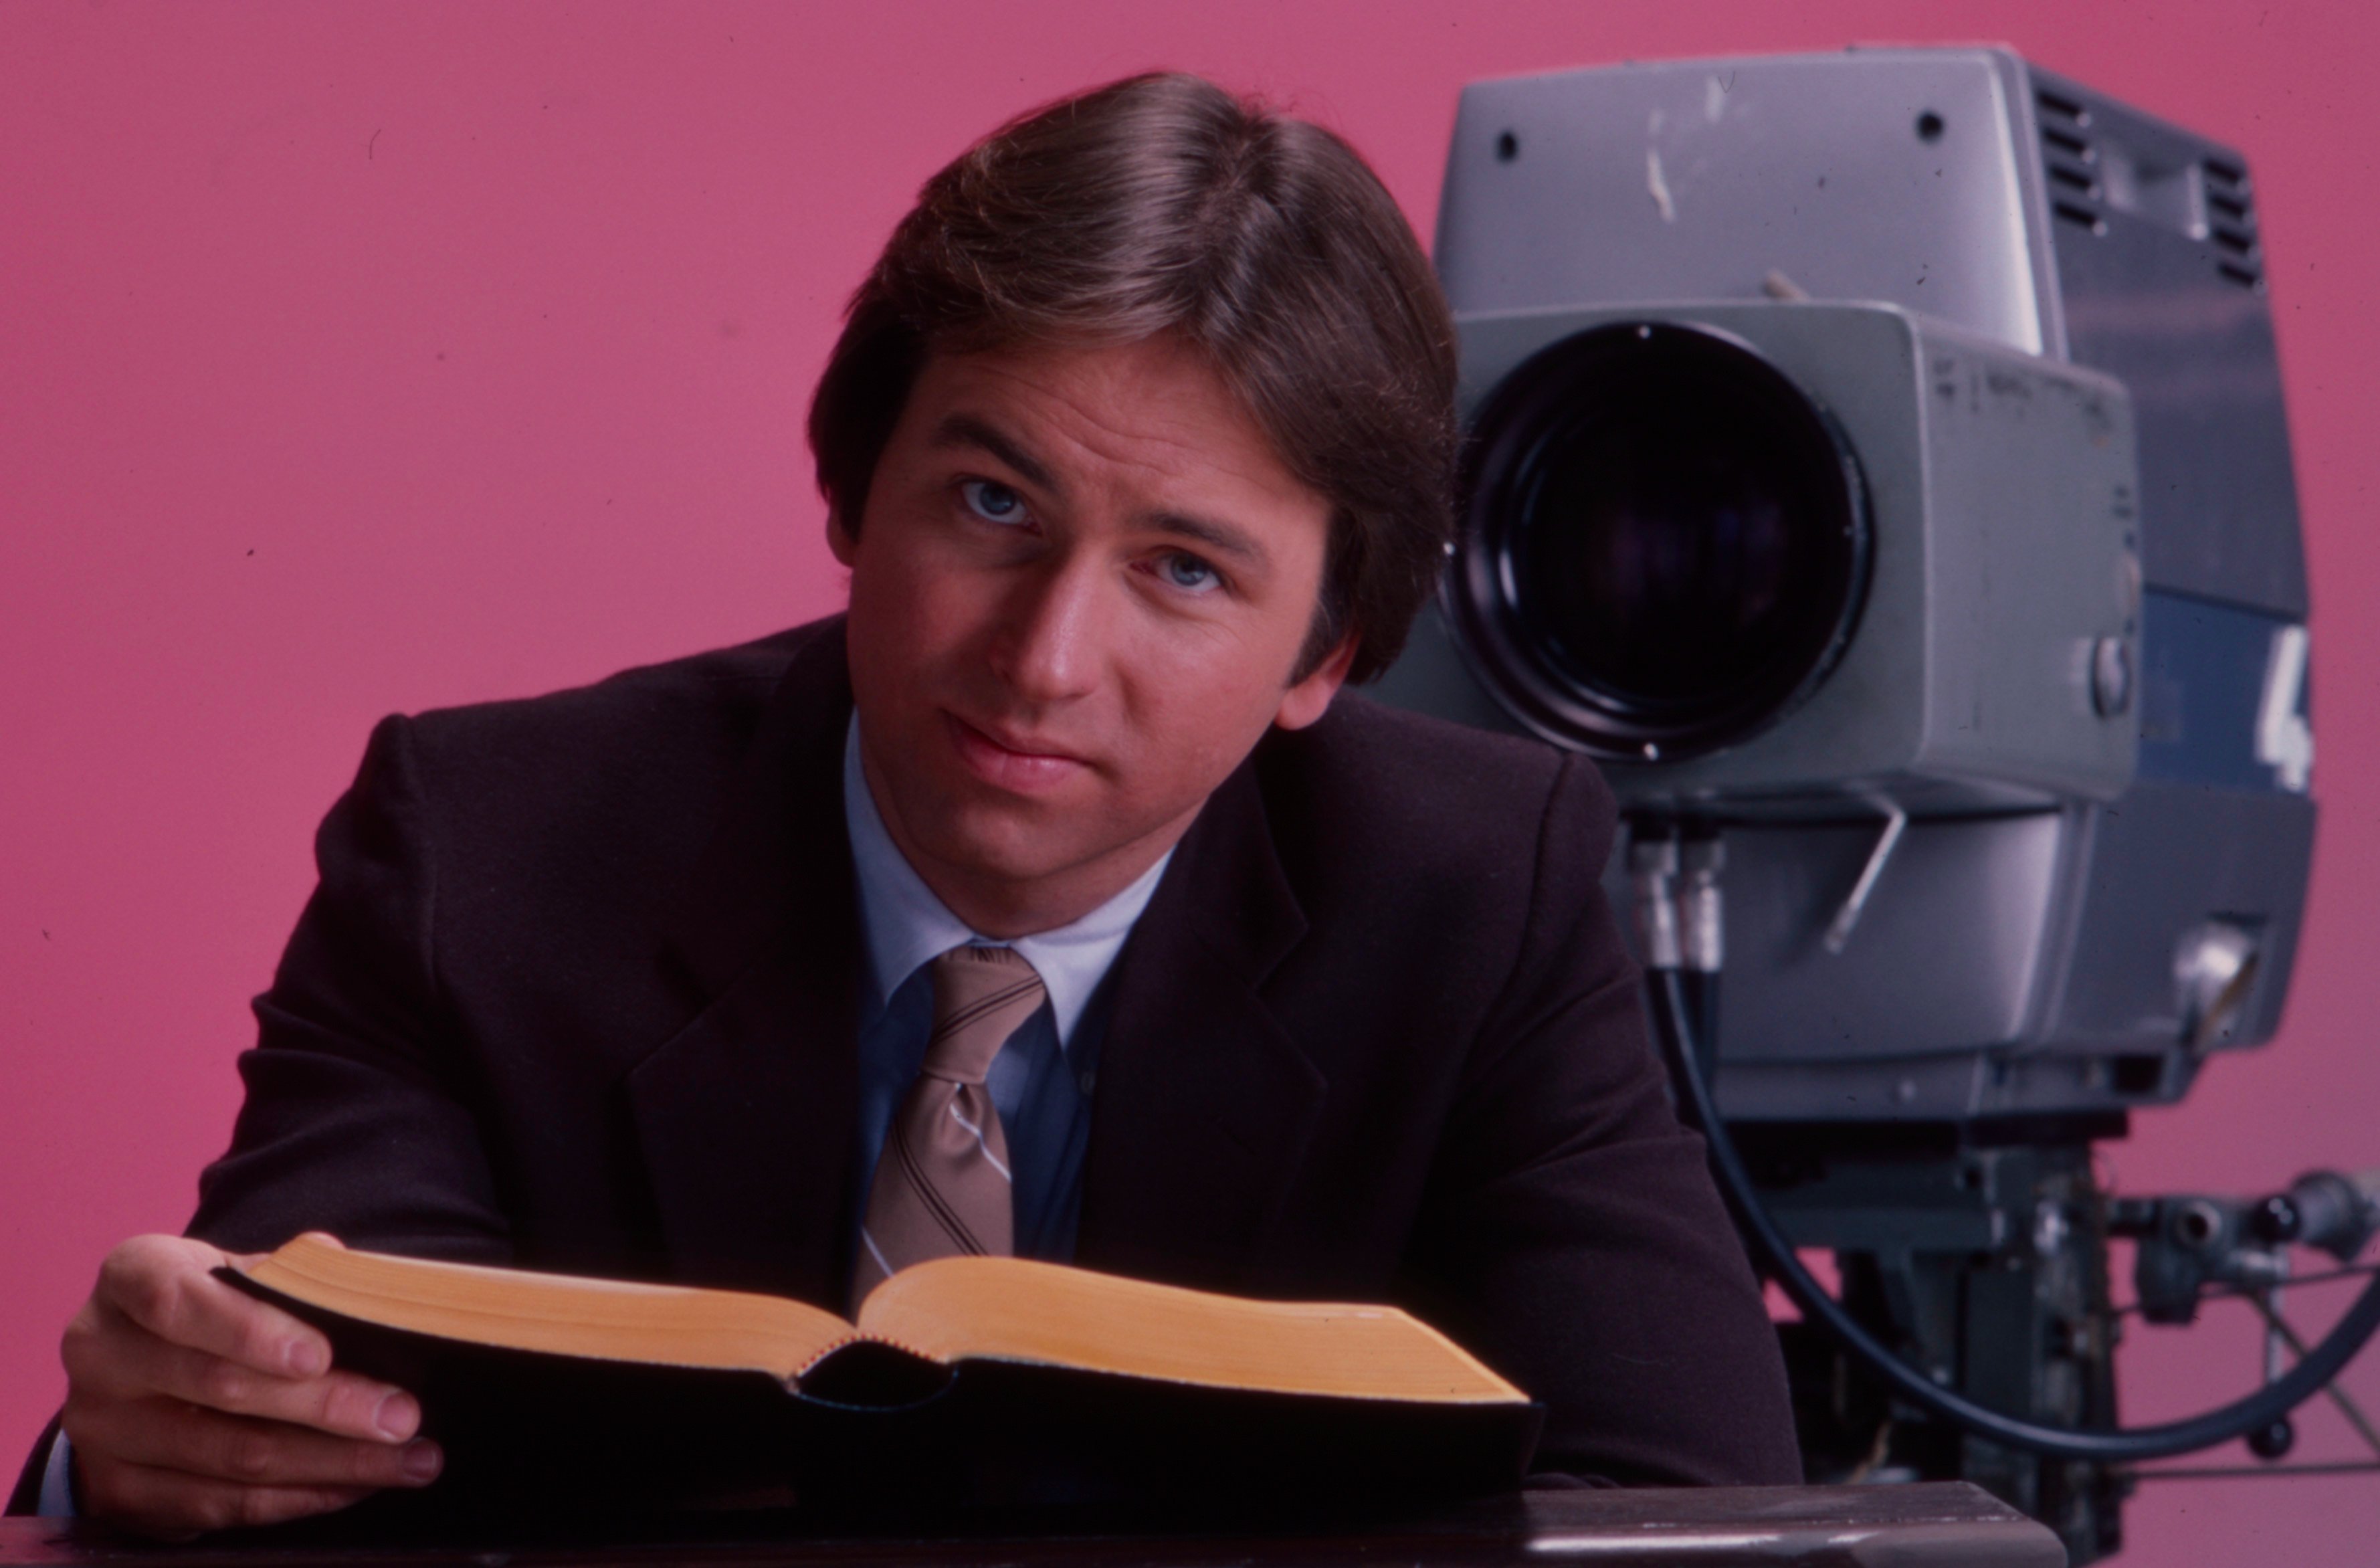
993	1379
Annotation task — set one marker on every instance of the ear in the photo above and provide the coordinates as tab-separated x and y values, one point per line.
1310	699
838	538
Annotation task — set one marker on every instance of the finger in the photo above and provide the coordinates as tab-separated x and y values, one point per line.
165	1285
138	1365
169	1434
173	1505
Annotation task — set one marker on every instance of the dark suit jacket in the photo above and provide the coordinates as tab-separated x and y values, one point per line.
578	990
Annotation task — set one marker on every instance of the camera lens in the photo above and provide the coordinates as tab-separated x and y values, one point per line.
1666	543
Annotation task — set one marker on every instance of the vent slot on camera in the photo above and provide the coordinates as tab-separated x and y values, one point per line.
2231	223
2070	157
2092	173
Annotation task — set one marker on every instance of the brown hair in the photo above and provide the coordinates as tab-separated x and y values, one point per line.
1162	204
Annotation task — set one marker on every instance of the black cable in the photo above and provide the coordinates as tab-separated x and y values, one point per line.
2261	1409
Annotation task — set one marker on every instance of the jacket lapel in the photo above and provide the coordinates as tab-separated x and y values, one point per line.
1205	1103
745	1115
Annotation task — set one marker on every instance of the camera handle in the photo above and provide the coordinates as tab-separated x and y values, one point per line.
1682	975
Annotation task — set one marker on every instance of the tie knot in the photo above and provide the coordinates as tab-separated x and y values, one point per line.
981	994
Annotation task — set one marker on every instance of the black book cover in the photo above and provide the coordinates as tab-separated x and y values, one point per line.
872	1430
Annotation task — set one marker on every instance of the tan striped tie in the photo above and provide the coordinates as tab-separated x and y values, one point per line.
941	1184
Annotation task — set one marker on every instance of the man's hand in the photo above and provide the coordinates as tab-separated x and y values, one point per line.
192	1407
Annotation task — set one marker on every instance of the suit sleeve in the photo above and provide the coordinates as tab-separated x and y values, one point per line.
1572	1233
358	1116
34	1488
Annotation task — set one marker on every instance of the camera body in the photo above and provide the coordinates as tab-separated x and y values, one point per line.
1881	457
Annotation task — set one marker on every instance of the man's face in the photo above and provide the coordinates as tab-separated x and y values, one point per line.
1077	596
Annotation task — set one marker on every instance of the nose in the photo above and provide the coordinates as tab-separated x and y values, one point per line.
1052	640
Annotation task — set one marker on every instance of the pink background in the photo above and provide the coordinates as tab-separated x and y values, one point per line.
370	357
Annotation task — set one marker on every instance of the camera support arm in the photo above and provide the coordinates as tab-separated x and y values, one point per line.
1684	986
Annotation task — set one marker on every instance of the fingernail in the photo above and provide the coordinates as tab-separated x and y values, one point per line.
307	1358
397	1414
423	1461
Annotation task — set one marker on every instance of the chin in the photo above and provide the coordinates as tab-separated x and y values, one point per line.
995	846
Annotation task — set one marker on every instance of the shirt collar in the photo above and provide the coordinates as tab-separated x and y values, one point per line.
906	925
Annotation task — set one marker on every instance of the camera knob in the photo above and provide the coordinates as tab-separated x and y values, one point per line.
2111	677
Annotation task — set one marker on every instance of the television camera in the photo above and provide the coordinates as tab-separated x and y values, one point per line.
1877	463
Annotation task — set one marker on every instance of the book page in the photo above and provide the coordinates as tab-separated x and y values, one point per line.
556	1314
1014	1309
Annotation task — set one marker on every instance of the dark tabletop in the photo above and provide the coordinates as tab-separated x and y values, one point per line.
1905	1526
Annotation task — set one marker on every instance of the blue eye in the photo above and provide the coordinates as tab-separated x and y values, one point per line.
992	501
1189	571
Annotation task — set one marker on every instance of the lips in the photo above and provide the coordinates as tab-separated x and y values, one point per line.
1021	764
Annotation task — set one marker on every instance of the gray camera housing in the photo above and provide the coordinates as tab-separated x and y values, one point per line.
2081	904
2040	214
2002	494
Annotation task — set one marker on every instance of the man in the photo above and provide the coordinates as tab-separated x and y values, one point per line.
1137	445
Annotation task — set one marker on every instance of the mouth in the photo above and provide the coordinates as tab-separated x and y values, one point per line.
1022	764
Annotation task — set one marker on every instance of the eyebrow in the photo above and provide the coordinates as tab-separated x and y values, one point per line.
1220	538
966	430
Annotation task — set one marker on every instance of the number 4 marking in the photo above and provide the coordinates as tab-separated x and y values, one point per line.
2284	739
